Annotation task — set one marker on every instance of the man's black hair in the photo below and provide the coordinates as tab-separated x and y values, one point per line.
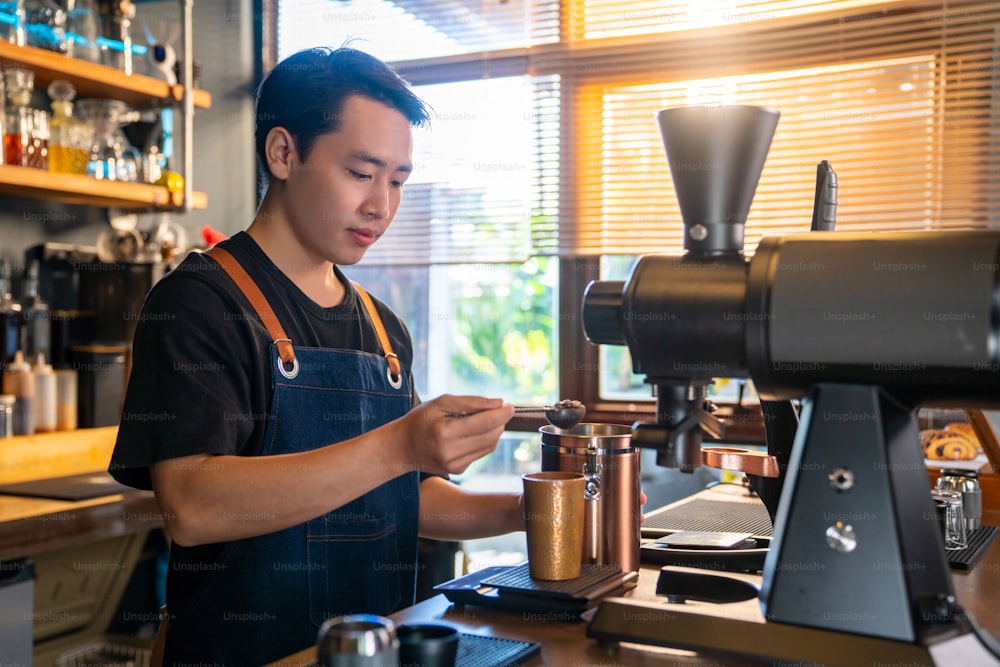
305	94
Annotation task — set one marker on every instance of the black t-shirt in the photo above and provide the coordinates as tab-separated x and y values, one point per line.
200	381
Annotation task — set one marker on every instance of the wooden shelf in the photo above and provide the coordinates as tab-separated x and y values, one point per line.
25	457
76	189
103	82
92	80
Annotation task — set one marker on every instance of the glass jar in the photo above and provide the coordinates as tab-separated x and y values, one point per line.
70	139
44	24
82	30
13	30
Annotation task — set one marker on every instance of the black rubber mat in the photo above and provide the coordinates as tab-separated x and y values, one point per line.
696	513
979	541
517	578
480	651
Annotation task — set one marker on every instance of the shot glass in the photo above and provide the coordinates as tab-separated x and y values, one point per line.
949	504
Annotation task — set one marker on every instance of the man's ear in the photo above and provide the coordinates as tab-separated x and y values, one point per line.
279	149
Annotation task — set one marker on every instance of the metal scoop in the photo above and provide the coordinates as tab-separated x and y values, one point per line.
563	415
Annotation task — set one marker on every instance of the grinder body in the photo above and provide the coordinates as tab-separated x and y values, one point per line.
917	313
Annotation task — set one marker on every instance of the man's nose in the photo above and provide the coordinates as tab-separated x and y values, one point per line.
376	205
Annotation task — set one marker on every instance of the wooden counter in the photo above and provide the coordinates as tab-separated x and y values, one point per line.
83	552
566	644
29	526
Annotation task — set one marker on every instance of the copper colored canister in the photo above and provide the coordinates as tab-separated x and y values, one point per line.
604	454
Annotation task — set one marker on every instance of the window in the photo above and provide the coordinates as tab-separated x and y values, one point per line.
545	151
544	168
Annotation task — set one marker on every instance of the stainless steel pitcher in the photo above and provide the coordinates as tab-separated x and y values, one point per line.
604	454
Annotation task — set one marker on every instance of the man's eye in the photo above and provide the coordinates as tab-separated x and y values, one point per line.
397	184
358	175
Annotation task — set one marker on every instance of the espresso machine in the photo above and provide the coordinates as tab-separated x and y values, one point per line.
860	329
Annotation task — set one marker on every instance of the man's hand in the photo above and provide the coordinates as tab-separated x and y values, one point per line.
447	434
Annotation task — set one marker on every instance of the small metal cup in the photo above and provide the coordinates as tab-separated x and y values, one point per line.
358	640
554	518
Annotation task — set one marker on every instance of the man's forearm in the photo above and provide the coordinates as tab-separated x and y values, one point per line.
221	498
449	512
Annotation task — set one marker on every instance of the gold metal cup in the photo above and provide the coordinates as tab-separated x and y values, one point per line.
553	519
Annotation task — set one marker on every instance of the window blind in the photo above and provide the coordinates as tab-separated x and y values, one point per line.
901	97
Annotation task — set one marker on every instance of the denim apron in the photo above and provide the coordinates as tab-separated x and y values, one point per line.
268	595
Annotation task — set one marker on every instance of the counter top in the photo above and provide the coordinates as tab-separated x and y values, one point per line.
29	526
566	643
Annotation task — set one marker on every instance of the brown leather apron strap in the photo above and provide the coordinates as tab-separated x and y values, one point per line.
383	338
273	326
257	300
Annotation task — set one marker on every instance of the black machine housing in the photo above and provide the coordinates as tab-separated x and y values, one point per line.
862	328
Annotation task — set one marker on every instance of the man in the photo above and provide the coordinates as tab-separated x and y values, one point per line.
270	406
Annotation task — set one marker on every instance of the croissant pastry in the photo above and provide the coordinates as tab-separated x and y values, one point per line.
954	442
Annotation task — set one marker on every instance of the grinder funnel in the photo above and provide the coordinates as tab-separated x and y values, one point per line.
716	154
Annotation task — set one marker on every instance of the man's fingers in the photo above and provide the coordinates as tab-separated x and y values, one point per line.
479	422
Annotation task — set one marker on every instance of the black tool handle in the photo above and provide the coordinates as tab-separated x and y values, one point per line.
825	203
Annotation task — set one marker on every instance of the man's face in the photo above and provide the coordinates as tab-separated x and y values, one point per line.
343	195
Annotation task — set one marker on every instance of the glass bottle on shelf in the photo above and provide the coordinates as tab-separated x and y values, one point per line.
3	118
118	50
35	312
10	319
17	127
15	26
38	140
25	139
82	30
70	139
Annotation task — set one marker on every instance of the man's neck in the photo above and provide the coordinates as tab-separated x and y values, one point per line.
311	274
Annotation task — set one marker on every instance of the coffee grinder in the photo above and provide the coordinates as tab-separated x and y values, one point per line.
861	328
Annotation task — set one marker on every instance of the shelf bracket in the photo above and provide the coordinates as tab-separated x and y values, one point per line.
187	101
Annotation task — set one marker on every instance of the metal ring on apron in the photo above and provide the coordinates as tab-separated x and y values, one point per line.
395	383
290	374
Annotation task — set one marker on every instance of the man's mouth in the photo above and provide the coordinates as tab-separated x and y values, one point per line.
364	237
